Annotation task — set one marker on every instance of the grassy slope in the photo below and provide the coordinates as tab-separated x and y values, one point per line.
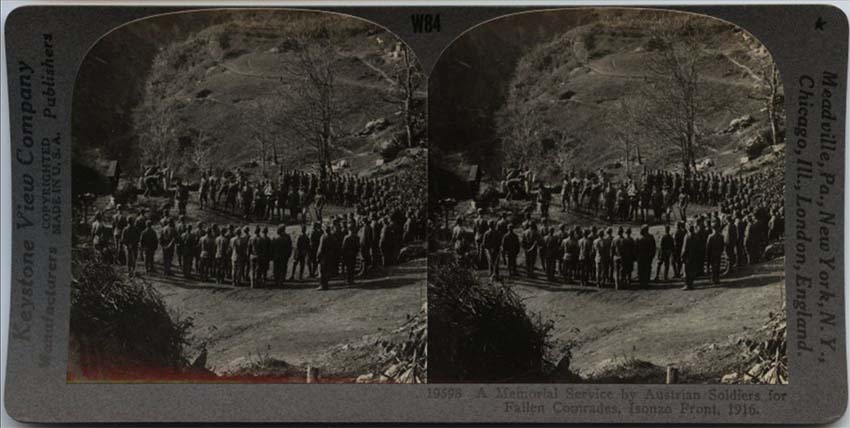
236	59
540	59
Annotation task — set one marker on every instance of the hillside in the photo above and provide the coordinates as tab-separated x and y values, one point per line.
567	75
223	87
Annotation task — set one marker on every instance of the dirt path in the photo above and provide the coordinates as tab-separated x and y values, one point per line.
295	324
662	325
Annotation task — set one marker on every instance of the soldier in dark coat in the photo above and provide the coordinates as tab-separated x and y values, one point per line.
328	259
678	242
350	248
150	243
312	255
629	256
618	246
510	248
301	251
645	254
691	256
265	254
188	241
281	249
714	252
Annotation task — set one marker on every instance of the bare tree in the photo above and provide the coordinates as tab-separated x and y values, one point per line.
406	85
202	149
158	132
676	97
770	92
524	127
315	105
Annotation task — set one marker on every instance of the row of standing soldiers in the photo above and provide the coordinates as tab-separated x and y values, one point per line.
657	194
287	199
739	230
381	223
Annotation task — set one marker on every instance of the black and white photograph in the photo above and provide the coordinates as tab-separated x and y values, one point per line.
249	200
607	202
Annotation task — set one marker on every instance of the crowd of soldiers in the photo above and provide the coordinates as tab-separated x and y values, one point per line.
749	214
383	218
657	195
287	199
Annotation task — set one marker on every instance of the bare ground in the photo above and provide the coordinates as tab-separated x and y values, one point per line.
696	330
298	325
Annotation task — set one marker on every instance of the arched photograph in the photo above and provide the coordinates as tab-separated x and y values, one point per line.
249	202
607	202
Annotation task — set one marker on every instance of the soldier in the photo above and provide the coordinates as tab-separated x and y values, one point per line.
683	206
753	239
319	205
99	236
366	235
265	254
312	255
678	242
281	249
350	247
543	248
203	191
691	257
130	241
188	244
239	255
222	250
544	199
254	254
377	258
714	252
667	246
386	242
599	259
730	232
741	250
182	197
529	245
302	249
149	242
629	255
510	248
491	244
645	253
326	253
168	241
119	222
585	257
617	249
207	246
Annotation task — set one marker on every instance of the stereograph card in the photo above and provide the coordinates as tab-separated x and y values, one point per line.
318	213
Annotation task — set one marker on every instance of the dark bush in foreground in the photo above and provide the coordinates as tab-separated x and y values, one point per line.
480	333
120	329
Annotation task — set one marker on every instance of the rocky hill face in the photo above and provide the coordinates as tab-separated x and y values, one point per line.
220	89
570	75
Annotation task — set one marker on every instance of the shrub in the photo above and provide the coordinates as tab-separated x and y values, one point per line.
121	329
481	333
